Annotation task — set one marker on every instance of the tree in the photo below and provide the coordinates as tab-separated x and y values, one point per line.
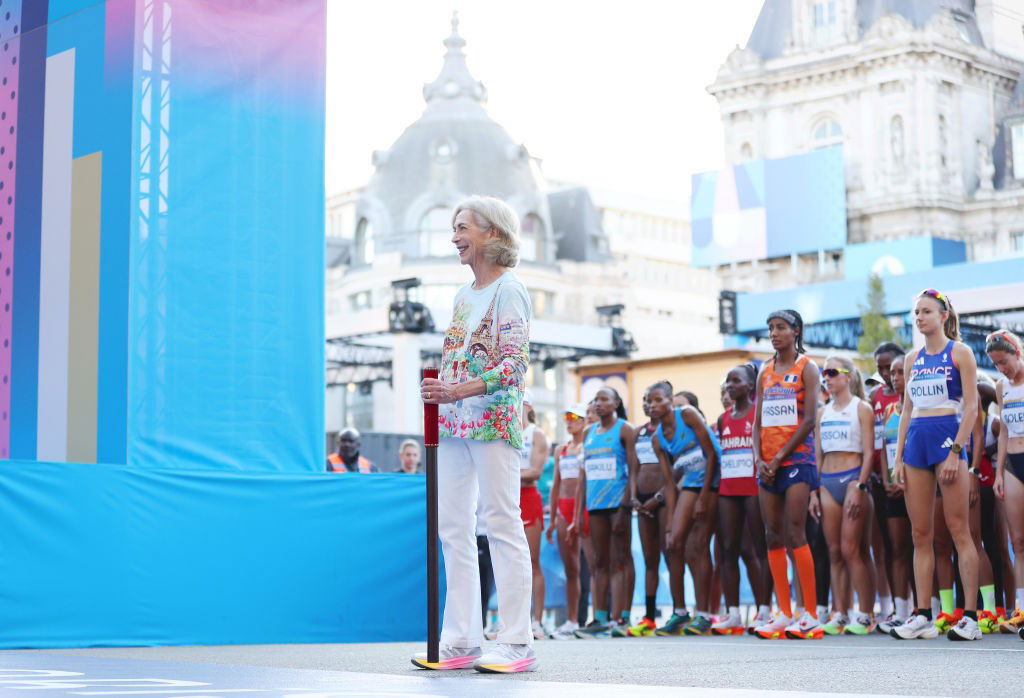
875	327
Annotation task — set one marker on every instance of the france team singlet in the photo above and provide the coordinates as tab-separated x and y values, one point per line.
934	381
782	410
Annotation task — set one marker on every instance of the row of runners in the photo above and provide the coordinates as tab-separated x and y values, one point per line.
884	498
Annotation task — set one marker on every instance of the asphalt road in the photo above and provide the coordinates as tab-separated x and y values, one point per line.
853	665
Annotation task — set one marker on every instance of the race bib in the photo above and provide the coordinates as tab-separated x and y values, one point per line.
1013	418
890	454
879	434
929	391
569	467
691	461
739	464
600	468
779	412
645	452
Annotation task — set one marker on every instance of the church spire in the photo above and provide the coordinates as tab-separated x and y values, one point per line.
454	81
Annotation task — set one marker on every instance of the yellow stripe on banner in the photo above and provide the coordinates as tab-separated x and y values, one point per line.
84	316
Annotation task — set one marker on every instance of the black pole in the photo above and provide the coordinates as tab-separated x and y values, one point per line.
430	438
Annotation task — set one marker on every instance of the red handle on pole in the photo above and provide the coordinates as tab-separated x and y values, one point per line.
430	414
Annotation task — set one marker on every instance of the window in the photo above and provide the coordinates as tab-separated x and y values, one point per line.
943	142
1017	242
746	152
826	133
360	301
824	18
1017	149
531	242
543	303
436	233
364	242
896	140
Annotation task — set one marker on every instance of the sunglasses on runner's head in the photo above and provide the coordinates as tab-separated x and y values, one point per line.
833	372
572	417
937	295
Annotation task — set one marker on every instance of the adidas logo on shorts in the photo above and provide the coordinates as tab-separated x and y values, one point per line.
948	442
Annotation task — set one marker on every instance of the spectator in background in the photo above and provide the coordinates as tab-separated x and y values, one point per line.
347	459
409	457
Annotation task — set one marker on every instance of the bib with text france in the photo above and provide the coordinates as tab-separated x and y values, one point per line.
739	464
600	467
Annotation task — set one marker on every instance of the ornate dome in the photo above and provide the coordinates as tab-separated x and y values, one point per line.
453	150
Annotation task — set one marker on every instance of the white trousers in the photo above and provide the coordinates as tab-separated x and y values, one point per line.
468	469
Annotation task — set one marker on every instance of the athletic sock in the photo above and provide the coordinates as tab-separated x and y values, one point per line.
936	609
822	611
601	617
926	612
902	608
946	599
625	616
973	615
652	607
988	597
1020	598
764	609
734	612
884	606
682	612
779	564
805	571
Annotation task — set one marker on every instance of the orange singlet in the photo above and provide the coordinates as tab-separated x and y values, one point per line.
782	410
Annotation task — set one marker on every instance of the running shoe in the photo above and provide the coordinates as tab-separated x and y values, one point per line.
645	628
507	659
807	628
620	628
593	630
860	624
835	624
448	658
945	621
760	619
565	631
987	622
1020	633
965	629
674	626
700	625
775	629
885	626
731	624
1013	624
539	633
917	627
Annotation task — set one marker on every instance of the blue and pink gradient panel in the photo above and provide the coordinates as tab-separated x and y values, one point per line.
203	122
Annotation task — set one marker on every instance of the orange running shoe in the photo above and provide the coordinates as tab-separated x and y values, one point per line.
807	628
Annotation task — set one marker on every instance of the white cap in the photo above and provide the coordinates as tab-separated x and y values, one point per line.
528	396
578	409
875	378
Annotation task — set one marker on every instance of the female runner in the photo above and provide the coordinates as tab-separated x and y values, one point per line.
608	458
940	409
654	498
738	507
845	441
683	440
568	461
534	454
1004	348
783	445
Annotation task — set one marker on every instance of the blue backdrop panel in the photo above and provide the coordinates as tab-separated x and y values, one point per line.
227	257
114	555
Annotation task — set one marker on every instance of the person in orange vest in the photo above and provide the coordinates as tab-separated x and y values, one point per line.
347	459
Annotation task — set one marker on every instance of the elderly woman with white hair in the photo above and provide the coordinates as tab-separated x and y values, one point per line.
480	392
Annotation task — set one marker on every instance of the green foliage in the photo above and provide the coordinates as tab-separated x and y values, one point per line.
875	327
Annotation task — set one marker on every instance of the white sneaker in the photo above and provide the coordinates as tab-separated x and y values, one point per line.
806	628
775	629
565	631
492	630
966	629
507	659
916	627
539	633
730	624
759	620
448	658
886	625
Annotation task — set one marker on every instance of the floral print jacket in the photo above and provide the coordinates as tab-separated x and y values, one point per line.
489	338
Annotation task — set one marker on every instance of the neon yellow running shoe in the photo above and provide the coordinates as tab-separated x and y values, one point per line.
645	628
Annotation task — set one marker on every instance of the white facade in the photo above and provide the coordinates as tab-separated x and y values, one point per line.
916	99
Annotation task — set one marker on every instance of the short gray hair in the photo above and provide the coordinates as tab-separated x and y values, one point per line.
409	442
489	212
